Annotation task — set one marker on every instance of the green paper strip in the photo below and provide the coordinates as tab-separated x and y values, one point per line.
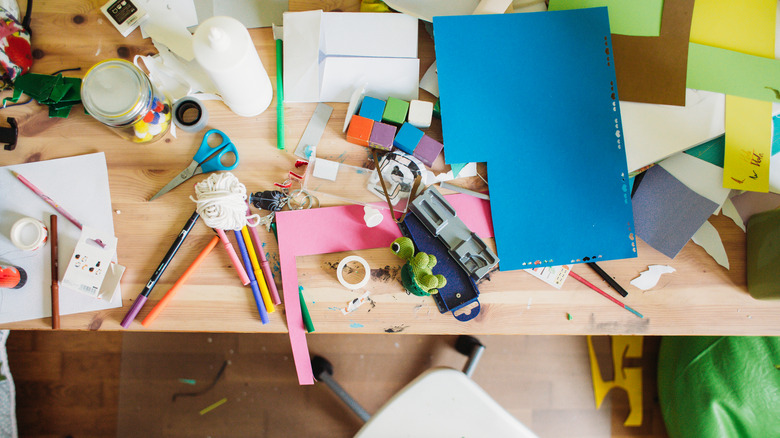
626	17
735	73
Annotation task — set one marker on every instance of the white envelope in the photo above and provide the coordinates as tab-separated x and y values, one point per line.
328	54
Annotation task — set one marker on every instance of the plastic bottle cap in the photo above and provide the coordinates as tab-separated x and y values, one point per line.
218	39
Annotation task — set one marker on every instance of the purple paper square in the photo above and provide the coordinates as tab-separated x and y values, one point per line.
427	150
382	136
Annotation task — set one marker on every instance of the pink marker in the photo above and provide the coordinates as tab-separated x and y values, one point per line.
233	256
43	196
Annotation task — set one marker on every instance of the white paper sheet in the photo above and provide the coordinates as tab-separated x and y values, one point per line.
80	186
653	132
708	238
648	279
327	53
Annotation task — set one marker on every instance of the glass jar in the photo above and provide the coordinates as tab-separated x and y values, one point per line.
119	95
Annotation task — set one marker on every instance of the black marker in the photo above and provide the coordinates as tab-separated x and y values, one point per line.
611	281
141	300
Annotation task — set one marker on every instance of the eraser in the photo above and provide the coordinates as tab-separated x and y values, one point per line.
420	113
372	108
427	150
359	131
395	111
382	136
407	138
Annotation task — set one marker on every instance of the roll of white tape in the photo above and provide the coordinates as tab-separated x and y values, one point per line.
29	234
340	272
190	115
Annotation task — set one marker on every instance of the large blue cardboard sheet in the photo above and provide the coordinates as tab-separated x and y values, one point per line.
534	95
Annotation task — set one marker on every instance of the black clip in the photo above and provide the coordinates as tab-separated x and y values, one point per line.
9	135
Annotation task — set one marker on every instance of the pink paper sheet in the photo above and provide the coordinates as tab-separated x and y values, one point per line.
336	229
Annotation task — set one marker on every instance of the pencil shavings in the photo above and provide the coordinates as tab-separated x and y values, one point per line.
648	279
357	302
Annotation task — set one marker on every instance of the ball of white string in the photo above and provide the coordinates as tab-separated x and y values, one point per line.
221	201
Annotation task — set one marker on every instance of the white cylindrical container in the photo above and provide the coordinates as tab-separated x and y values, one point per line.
224	49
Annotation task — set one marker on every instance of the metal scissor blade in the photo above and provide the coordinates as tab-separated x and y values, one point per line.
184	175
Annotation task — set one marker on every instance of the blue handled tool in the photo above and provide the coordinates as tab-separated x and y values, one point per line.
208	158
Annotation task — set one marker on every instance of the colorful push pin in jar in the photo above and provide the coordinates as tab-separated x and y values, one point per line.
119	95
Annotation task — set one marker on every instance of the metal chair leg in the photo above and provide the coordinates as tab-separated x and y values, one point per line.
471	347
323	372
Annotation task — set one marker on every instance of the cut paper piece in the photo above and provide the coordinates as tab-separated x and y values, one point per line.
466	170
750	30
738	74
667	213
166	27
555	276
698	175
654	132
342	229
708	238
327	53
626	17
749	203
627	378
252	14
730	211
577	217
430	80
80	185
648	279
653	69
356	303
748	144
710	151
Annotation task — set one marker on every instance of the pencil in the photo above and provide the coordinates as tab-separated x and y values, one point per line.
175	288
144	295
233	257
43	196
269	306
277	31
252	281
267	274
587	283
611	281
55	276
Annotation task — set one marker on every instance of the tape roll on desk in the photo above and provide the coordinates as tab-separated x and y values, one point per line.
190	115
340	273
26	241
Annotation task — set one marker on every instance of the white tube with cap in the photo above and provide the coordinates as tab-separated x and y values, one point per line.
224	49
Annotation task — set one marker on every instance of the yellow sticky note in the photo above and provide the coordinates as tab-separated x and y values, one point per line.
748	27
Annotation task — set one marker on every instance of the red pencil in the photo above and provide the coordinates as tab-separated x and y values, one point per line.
587	283
43	196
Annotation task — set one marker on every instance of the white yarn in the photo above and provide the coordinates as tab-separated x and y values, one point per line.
221	202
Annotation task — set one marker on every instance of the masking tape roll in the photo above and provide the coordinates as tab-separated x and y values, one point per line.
25	240
340	273
190	115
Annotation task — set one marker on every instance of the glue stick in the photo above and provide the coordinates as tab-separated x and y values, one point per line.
224	49
12	277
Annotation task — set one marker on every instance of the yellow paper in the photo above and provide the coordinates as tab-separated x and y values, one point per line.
748	27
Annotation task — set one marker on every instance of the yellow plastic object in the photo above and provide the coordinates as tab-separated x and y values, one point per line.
629	379
373	6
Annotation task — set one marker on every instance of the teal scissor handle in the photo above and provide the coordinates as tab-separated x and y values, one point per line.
210	158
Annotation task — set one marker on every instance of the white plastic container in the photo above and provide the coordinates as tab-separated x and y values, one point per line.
224	49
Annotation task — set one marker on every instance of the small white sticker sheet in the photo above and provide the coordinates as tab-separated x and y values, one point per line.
552	275
89	263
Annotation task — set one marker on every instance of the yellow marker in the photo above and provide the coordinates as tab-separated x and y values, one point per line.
627	378
208	409
250	248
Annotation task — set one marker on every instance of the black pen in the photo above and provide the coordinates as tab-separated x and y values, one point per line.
611	281
141	300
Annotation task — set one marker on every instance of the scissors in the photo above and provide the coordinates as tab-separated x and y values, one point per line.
207	159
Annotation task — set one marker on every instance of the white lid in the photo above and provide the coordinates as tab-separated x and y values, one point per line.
112	88
220	43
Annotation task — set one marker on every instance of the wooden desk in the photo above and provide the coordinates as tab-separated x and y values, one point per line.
700	298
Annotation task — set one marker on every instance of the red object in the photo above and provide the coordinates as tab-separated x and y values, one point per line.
149	117
359	131
12	277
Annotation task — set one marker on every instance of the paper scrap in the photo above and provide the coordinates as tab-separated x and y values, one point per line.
356	303
555	276
730	211
748	144
626	17
648	279
708	238
750	203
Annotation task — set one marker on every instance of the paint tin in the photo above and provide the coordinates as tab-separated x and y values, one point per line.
12	277
119	95
29	234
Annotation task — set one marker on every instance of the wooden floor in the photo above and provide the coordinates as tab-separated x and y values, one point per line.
106	384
